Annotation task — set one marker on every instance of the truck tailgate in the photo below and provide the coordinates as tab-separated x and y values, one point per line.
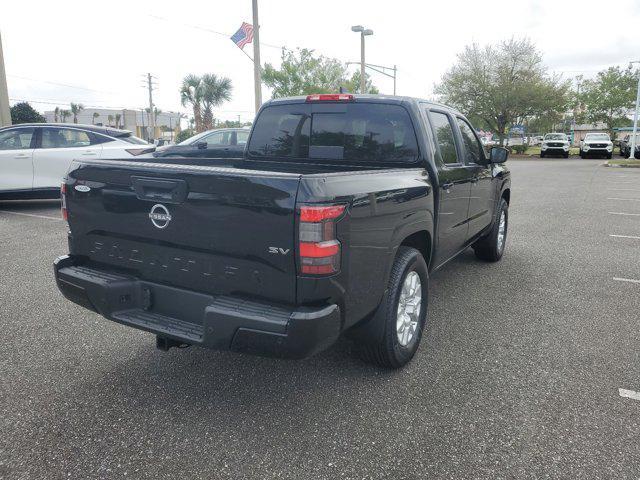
211	229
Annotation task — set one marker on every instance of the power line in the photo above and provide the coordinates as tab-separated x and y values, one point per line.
77	87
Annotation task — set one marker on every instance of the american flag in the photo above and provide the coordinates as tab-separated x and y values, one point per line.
243	36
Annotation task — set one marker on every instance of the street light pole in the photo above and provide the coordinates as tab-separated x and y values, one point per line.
5	111
632	152
363	33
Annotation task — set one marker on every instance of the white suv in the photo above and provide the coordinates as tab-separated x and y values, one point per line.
35	157
557	143
596	144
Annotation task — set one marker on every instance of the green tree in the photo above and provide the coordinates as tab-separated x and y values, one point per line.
215	91
56	114
94	117
499	86
609	97
64	114
353	84
110	119
118	118
191	94
185	134
24	113
76	108
303	73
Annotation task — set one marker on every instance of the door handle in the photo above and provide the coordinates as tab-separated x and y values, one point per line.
447	186
21	155
474	180
89	154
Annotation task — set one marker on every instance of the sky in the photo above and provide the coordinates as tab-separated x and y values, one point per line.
98	53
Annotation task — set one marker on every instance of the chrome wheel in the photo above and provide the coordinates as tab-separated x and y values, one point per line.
409	308
502	230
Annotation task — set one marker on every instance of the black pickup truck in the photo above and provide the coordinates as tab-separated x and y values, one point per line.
341	208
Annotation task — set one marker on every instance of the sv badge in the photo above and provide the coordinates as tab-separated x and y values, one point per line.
279	251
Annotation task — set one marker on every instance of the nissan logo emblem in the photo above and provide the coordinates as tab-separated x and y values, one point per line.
160	216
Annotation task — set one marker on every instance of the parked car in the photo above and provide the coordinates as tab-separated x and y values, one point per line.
596	144
35	157
221	143
625	146
555	143
341	209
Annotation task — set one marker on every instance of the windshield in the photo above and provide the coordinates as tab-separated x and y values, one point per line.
555	136
355	132
597	136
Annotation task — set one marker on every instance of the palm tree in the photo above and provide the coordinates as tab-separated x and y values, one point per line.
215	91
95	115
56	113
191	93
76	108
64	114
110	119
118	117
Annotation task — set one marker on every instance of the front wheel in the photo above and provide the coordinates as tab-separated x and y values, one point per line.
403	312
491	246
541	154
609	156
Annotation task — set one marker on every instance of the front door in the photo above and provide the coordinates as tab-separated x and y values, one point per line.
481	197
57	148
455	188
16	158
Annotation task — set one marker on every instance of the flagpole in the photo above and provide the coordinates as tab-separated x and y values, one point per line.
257	80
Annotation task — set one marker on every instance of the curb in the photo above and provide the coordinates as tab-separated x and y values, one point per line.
607	164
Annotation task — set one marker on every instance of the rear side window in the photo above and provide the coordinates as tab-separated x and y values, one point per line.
132	139
354	132
64	138
444	137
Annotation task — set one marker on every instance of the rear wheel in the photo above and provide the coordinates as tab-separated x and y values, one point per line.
491	246
609	155
403	312
541	154
566	155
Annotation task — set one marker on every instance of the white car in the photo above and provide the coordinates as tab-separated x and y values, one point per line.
555	143
34	158
596	144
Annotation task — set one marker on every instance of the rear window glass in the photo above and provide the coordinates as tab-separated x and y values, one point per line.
352	132
132	139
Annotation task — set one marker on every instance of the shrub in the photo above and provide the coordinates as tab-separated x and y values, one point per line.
519	149
184	134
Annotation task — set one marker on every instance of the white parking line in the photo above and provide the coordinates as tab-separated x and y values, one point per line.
629	394
624	213
630	280
627	199
30	215
625	190
625	236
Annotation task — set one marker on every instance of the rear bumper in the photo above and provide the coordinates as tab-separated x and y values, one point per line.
218	322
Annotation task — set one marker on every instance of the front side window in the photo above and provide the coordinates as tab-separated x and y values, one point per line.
16	139
64	138
444	137
474	152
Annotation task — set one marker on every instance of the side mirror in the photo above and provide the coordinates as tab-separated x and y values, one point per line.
499	155
201	145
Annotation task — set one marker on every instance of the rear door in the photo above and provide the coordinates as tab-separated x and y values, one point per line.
16	158
214	230
56	149
455	187
481	196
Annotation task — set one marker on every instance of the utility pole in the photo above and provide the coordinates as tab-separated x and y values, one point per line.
257	74
632	151
5	112
395	73
152	122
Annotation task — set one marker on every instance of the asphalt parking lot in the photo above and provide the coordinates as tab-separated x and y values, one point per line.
518	376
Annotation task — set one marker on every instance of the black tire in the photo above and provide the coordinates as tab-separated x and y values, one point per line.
541	155
565	155
488	248
388	352
609	155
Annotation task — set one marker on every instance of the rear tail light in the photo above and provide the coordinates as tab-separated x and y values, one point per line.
330	97
139	151
319	249
63	202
